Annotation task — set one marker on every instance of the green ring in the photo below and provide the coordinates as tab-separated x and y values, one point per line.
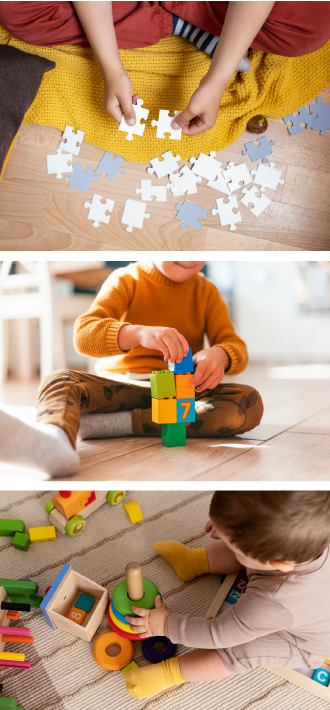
75	525
123	604
50	506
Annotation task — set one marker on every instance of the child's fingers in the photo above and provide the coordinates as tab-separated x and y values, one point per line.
208	383
158	602
128	110
184	344
200	374
172	345
114	111
183	118
139	612
195	127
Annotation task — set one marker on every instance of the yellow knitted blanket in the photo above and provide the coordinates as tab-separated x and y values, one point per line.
165	76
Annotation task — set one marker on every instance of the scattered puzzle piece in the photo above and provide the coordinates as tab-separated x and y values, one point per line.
70	141
189	213
138	128
81	179
206	166
225	212
302	119
164	125
110	164
267	176
147	191
164	167
97	210
322	112
235	174
59	164
259	203
134	213
183	182
261	150
221	182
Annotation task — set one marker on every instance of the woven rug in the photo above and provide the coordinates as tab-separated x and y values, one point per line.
63	672
165	76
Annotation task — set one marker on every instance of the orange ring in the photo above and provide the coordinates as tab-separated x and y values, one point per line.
112	663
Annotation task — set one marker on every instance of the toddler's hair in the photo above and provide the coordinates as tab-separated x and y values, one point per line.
291	526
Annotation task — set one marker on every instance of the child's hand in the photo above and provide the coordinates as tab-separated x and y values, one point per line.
118	99
209	528
211	365
172	344
202	111
149	622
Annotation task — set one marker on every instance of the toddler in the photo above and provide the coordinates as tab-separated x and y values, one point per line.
145	314
281	621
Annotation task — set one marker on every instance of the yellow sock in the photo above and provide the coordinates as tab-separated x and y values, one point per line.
187	563
150	680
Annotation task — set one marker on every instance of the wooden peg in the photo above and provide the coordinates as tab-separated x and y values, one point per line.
133	571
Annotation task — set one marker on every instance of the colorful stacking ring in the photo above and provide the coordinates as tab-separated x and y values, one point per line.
116	616
112	663
154	657
122	625
125	634
123	603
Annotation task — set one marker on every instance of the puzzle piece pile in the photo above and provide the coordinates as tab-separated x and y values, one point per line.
318	118
173	400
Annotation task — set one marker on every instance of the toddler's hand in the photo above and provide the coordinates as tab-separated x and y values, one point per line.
118	99
202	111
149	622
211	365
209	527
172	344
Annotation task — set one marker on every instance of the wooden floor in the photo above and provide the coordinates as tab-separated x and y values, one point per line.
291	444
39	212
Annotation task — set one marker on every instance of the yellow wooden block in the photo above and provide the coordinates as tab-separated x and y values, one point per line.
42	534
133	511
164	411
6	656
76	615
182	386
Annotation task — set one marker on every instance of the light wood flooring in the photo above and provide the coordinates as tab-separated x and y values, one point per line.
292	443
39	212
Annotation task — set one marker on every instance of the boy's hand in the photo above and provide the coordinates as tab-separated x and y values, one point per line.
211	366
149	622
202	111
118	99
172	344
209	528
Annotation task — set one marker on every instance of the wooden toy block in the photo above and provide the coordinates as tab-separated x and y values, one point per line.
233	596
129	667
6	656
22	591
8	528
7	638
8	703
15	664
241	582
73	504
164	411
12	615
185	410
14	631
76	615
174	435
182	386
42	534
162	384
84	602
133	511
21	541
183	367
12	607
321	676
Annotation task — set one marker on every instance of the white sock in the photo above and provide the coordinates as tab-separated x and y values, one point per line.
43	446
106	425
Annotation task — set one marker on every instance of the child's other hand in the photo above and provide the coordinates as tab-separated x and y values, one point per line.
172	344
118	99
209	528
202	111
149	622
211	366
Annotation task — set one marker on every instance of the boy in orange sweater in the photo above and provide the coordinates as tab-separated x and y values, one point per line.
145	314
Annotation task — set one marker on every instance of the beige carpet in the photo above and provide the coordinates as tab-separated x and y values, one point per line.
63	672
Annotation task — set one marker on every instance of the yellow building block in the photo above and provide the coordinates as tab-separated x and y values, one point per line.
74	503
42	534
6	656
164	411
133	511
76	615
182	386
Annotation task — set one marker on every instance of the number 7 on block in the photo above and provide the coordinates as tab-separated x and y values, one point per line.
185	410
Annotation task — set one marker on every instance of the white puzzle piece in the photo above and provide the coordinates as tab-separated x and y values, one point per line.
235	174
183	182
97	210
70	140
148	191
138	129
226	214
58	164
206	166
166	166
134	213
267	176
220	184
164	125
259	203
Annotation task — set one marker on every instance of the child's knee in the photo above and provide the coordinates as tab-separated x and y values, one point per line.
254	407
57	378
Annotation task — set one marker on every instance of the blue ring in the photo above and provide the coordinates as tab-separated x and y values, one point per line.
120	616
154	657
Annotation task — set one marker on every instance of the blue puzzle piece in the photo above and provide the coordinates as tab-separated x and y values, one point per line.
185	410
111	165
322	113
259	151
184	367
233	596
189	213
299	122
81	179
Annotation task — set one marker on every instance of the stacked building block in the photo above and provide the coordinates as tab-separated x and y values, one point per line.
173	400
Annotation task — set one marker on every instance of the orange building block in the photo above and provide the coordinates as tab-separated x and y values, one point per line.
182	386
164	411
72	505
76	615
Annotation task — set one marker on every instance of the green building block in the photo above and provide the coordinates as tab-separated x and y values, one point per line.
174	435
162	384
21	541
8	528
8	703
21	591
84	602
131	665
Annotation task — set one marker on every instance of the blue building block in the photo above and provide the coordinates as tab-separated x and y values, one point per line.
51	592
184	413
321	676
84	602
183	367
233	596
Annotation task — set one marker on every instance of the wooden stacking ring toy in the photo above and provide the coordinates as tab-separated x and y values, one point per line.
123	602
135	590
113	663
155	657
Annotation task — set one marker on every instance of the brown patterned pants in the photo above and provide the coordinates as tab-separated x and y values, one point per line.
227	410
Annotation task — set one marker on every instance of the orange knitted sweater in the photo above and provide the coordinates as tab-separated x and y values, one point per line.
140	295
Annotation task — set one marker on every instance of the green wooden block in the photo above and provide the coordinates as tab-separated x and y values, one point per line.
8	703
173	435
21	541
162	384
84	602
131	665
21	591
8	528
